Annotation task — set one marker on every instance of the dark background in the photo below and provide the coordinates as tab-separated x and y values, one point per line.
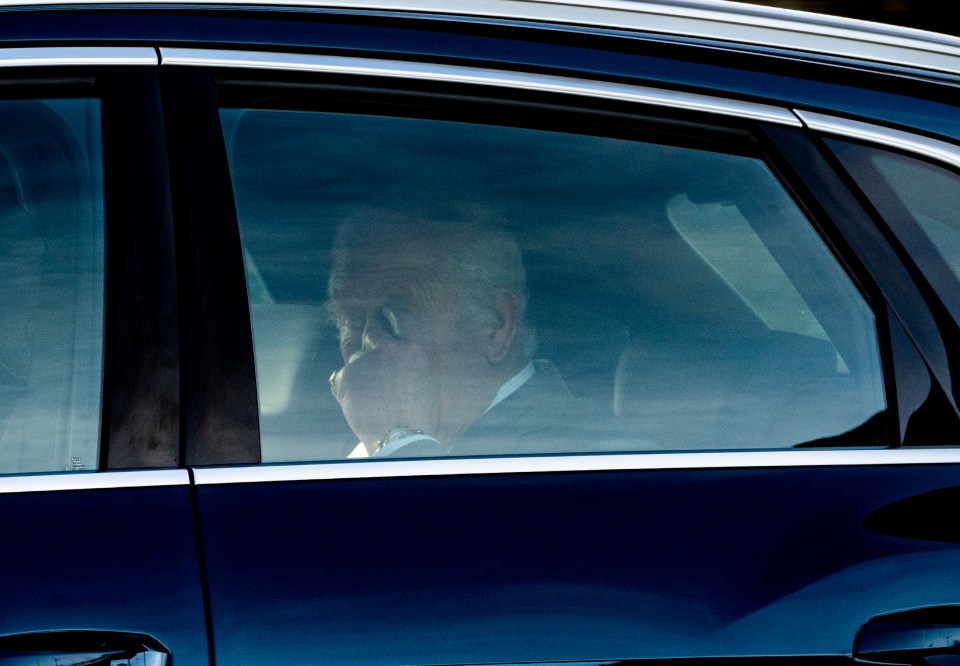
923	14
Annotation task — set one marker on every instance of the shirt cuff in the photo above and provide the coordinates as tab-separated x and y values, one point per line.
397	444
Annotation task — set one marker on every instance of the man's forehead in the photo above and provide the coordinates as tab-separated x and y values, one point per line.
402	280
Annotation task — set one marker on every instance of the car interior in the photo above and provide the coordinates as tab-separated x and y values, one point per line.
684	313
51	322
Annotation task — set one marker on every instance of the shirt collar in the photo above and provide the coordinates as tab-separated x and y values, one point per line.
510	386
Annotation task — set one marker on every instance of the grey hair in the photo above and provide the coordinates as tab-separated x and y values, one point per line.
474	255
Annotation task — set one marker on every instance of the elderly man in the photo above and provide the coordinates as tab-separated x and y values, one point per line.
436	348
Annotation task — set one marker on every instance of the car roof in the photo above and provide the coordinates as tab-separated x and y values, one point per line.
770	29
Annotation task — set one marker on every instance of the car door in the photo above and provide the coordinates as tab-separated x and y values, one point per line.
711	303
99	559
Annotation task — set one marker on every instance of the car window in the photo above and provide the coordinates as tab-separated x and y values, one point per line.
430	287
724	239
51	304
919	200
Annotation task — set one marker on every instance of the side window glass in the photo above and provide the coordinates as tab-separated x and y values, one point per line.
425	287
919	201
724	239
51	303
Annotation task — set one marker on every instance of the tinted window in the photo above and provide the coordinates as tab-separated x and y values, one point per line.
509	290
919	200
51	303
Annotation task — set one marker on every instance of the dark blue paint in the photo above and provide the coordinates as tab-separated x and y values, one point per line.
496	568
551	567
692	66
105	560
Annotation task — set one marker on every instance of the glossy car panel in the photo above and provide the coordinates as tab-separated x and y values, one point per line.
575	566
791	556
110	559
917	100
814	34
473	75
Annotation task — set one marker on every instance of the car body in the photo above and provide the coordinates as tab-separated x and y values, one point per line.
170	484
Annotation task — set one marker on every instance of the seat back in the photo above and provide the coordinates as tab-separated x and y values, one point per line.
725	392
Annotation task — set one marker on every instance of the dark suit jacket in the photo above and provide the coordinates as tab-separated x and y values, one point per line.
530	420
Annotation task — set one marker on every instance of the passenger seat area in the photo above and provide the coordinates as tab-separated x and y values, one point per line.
769	390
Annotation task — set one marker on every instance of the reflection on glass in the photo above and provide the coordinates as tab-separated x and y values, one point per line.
724	239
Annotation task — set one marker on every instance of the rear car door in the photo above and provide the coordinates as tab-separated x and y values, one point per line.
710	302
99	559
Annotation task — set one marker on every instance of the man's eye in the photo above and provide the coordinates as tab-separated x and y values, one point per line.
348	328
345	325
349	337
390	322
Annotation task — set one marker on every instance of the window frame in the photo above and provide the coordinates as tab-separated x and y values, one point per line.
922	315
139	391
212	65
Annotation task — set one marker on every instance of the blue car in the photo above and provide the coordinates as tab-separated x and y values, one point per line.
482	332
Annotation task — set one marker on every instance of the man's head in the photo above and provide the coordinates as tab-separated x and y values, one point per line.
431	320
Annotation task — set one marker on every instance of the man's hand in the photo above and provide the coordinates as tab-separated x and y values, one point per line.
386	387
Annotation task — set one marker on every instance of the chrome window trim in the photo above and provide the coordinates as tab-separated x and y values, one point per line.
438	467
476	76
940	151
34	483
703	19
53	56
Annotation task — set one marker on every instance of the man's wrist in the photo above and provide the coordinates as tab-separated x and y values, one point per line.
400	437
396	434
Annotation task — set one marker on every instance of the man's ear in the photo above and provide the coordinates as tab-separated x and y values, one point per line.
502	327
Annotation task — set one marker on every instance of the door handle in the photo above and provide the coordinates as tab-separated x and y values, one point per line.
918	637
81	648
